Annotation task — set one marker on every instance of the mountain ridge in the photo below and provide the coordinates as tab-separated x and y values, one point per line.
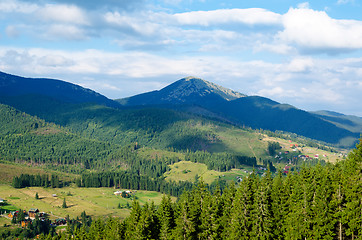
253	111
192	88
12	86
63	103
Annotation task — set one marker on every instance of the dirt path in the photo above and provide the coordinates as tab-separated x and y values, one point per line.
252	150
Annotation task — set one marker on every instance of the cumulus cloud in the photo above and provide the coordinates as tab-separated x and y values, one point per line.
251	16
301	65
11	6
62	13
315	31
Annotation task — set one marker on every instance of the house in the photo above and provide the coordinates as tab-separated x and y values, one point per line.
117	193
60	221
33	212
2	200
25	223
13	214
54	195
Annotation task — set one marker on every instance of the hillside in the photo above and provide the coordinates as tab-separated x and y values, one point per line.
252	111
348	122
15	86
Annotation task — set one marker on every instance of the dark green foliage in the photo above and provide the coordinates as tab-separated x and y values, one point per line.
272	147
64	205
129	180
26	180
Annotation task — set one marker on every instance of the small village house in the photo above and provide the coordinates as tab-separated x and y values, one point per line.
33	212
25	223
13	214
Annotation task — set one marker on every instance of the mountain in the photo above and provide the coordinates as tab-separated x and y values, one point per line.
188	90
253	111
349	122
15	86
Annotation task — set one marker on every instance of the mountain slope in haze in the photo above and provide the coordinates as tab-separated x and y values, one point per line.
14	86
252	111
349	122
188	90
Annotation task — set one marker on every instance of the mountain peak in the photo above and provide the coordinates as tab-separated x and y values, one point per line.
197	87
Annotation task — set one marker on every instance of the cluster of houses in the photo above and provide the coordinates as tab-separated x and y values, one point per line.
124	194
31	215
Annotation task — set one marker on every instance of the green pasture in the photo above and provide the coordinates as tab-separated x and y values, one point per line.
187	171
9	170
97	202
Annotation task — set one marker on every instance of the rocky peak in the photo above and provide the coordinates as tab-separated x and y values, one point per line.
192	86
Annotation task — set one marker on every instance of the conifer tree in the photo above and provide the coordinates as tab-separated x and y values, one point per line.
64	205
166	218
262	214
132	231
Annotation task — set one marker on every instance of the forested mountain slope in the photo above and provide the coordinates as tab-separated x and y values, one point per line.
253	111
11	85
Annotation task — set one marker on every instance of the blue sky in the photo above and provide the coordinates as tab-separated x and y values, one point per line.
307	54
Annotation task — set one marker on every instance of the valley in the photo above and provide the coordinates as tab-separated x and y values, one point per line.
191	140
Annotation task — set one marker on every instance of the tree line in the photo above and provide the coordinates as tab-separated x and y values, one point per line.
129	180
28	180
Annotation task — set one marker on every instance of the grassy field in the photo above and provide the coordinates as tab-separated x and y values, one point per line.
186	171
236	140
97	202
9	170
323	155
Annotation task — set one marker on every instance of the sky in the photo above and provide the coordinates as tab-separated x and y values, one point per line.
307	54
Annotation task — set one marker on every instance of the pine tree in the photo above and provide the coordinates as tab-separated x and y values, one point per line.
262	214
166	218
352	182
36	195
132	232
64	205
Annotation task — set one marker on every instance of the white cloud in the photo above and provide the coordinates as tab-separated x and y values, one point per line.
345	1
64	31
138	24
279	48
11	6
251	16
300	65
53	60
62	13
303	5
316	31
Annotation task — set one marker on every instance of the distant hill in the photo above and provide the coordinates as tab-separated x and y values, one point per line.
14	86
253	111
349	122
